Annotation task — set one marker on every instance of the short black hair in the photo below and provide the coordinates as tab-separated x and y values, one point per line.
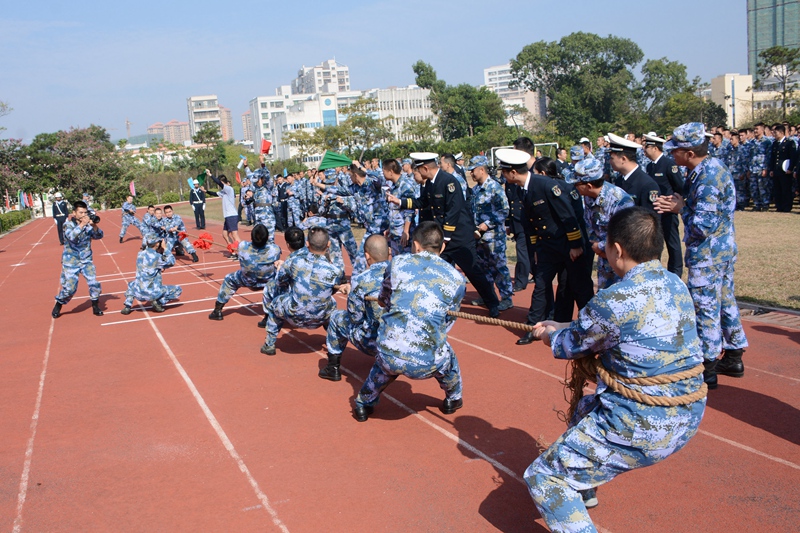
151	207
701	150
223	178
638	231
295	238
450	158
318	239
546	166
429	236
79	203
596	183
167	207
525	144
260	235
779	127
357	171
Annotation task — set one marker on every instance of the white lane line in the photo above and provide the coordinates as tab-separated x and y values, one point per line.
183	302
773	373
509	359
192	267
26	469
171	315
749	449
712	435
223	437
22	262
123	292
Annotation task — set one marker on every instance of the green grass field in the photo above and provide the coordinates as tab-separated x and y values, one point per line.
767	271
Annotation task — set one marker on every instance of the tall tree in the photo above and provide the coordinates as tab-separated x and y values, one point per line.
5	109
212	155
782	65
661	80
303	140
366	129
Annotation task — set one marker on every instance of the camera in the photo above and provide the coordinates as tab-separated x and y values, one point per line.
94	218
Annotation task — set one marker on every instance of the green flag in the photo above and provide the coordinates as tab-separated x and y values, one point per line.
202	179
333	160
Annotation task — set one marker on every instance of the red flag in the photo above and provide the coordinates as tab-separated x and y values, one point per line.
265	146
30	197
133	189
8	206
238	179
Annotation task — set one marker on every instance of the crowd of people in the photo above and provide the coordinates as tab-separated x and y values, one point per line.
609	211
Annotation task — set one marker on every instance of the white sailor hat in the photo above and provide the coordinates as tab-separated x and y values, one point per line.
421	158
652	138
509	158
459	156
584	140
619	144
59	195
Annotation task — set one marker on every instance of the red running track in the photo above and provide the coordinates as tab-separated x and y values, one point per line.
172	422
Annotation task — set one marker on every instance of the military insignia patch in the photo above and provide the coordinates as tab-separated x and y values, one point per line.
556	190
674	169
574	194
653	196
451	187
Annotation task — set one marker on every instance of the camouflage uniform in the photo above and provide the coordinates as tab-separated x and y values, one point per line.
711	255
597	212
128	218
263	200
175	222
373	212
147	287
359	323
247	206
760	186
338	223
490	207
77	259
302	294
398	217
418	290
738	166
335	251
642	326
256	268
294	204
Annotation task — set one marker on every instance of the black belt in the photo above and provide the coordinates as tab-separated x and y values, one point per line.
336	217
261	204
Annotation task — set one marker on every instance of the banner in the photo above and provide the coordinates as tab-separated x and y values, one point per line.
238	179
8	206
132	188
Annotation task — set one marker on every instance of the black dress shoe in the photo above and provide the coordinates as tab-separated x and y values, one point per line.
517	288
494	312
731	364
56	310
451	406
362	412
527	339
710	374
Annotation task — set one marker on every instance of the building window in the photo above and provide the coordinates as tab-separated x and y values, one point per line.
263	105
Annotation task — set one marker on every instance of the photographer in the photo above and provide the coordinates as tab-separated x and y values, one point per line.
79	231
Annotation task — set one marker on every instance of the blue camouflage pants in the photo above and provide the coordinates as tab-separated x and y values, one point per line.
760	189
397	248
172	241
718	323
339	230
232	283
340	332
278	313
583	458
742	191
386	369
127	220
294	214
265	216
163	294
492	260
69	281
249	214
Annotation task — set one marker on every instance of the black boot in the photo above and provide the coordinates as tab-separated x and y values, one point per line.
216	314
527	339
710	374
194	257
731	363
120	240
157	307
56	310
263	323
331	372
96	308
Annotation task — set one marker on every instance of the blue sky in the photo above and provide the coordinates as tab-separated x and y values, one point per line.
66	64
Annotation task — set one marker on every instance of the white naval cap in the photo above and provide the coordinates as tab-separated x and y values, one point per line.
421	158
458	156
618	144
652	138
508	158
584	140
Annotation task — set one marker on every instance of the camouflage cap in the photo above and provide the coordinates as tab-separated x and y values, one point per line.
687	136
406	161
588	170
478	161
152	239
576	153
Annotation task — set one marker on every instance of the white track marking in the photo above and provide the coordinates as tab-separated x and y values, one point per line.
749	449
706	433
123	292
223	437
773	373
14	267
26	469
171	315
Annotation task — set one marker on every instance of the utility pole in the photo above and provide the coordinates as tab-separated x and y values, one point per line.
128	127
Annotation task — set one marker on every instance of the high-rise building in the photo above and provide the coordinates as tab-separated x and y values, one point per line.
328	77
247	126
398	106
226	123
265	109
496	79
156	129
176	132
203	110
771	23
